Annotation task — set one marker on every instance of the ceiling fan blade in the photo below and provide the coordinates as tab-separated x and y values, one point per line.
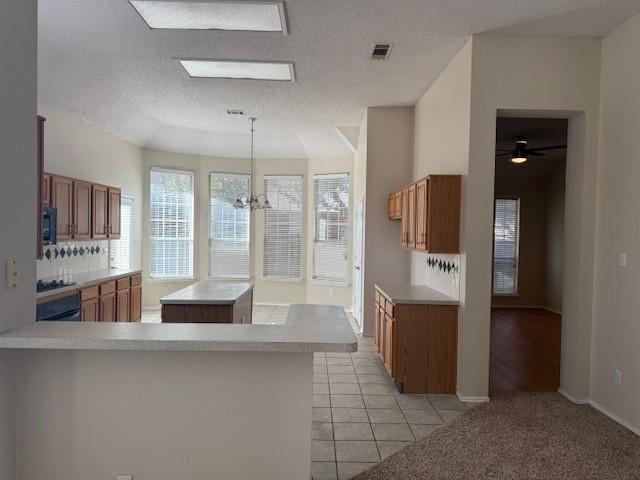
503	154
555	147
535	153
503	150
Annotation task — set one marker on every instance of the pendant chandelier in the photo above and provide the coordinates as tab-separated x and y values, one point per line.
252	201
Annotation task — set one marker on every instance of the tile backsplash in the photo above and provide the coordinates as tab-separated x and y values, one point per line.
443	273
73	257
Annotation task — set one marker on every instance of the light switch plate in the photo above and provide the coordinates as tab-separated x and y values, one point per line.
124	477
12	275
623	259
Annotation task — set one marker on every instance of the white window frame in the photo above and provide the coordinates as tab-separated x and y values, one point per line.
210	274
516	260
132	234
315	278
162	278
274	278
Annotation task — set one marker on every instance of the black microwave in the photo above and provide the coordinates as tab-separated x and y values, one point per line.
49	222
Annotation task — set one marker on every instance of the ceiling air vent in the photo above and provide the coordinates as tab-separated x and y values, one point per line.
381	51
235	112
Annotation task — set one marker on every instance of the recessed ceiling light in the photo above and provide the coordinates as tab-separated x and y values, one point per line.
213	15
282	71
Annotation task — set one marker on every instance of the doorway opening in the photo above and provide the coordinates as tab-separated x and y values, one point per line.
528	254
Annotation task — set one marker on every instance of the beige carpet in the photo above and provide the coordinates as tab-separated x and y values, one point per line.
520	437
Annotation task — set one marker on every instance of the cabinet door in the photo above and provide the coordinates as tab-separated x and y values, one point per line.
421	214
81	210
123	306
389	333
397	201
89	311
411	209
136	304
114	213
391	206
380	320
100	211
405	216
62	199
108	308
46	190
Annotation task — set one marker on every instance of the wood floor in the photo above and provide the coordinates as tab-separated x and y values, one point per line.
525	350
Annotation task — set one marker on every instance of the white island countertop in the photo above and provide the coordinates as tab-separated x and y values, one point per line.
416	294
208	293
308	328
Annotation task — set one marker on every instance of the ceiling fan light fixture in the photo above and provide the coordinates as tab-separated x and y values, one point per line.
518	159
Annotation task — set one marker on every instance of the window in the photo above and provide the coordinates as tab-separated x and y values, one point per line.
505	246
228	226
330	249
283	228
171	224
123	249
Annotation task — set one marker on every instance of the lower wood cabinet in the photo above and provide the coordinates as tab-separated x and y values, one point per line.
108	308
113	301
418	344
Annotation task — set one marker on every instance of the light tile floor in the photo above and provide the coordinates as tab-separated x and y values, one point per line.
359	417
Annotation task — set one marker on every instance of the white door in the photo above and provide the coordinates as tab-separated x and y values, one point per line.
358	272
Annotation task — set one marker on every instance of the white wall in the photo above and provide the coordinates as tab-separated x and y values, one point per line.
556	77
441	144
18	197
76	148
164	415
389	154
616	329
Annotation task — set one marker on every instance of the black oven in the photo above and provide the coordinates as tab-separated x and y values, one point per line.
49	220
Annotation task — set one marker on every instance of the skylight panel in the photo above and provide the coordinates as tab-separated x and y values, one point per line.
280	71
215	15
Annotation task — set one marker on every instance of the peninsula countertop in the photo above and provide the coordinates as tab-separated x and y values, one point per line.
208	292
87	279
416	294
308	328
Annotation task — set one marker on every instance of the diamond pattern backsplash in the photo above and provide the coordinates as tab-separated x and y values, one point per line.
443	273
71	257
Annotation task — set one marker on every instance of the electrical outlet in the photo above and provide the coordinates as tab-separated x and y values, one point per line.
617	377
332	292
124	477
623	259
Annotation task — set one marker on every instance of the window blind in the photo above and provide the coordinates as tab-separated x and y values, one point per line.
171	213
283	228
228	226
123	249
331	206
505	246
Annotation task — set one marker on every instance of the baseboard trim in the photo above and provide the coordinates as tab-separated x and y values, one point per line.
614	417
155	308
471	399
581	401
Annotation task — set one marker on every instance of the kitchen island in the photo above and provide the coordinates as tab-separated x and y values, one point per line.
209	302
167	401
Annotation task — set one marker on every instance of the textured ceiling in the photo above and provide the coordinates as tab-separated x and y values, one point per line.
98	59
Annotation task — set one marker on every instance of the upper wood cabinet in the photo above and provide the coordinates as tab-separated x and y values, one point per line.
46	190
115	198
431	214
62	200
44	194
81	210
85	210
100	211
395	206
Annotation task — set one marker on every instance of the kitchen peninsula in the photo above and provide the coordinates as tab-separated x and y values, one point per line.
193	400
